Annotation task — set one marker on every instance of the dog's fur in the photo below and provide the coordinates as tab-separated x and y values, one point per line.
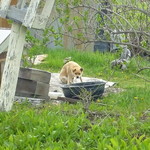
70	71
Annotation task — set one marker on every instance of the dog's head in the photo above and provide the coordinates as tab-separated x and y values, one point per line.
77	71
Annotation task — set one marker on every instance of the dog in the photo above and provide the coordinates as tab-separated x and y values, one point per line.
70	71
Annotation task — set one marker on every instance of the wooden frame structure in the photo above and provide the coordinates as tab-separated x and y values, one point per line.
23	17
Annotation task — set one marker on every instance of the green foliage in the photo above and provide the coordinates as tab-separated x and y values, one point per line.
84	21
121	120
54	127
38	46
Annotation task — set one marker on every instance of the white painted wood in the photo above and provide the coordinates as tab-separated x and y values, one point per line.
12	65
16	14
15	48
48	8
4	7
31	13
40	22
21	3
42	19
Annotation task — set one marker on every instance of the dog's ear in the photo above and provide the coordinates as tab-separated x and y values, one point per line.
81	69
74	70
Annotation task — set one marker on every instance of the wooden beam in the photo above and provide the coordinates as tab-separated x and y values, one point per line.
39	21
12	65
35	74
33	101
21	3
27	87
16	14
4	7
42	19
48	8
31	13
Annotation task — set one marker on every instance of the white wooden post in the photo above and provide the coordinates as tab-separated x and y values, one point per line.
21	3
4	7
31	13
48	8
12	65
16	44
36	20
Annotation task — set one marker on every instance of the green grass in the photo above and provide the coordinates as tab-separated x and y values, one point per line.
98	65
119	121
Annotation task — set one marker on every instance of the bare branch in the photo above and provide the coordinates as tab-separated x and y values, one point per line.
138	32
133	8
143	69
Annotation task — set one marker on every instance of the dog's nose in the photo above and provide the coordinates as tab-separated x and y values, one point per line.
77	76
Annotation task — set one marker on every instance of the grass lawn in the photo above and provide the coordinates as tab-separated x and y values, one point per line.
119	121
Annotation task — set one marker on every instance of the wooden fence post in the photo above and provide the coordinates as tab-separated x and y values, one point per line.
4	7
27	17
12	65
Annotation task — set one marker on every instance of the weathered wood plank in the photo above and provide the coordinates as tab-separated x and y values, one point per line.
35	74
16	44
16	14
40	22
4	7
34	101
42	89
31	13
27	87
48	8
42	19
21	3
12	66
